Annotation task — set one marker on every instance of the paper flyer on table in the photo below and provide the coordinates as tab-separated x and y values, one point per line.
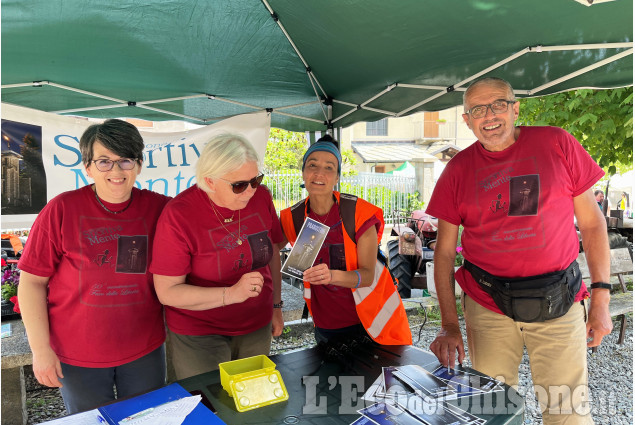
306	248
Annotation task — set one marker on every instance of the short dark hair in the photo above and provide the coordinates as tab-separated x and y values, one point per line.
117	136
598	192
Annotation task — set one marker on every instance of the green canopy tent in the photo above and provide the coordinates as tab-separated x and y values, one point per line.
313	64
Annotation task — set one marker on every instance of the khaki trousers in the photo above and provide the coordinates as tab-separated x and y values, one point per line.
557	357
196	354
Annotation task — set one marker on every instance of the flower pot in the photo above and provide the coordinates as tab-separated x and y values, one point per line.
7	310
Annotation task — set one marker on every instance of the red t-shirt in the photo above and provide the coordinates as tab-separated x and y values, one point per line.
99	279
192	241
332	306
516	206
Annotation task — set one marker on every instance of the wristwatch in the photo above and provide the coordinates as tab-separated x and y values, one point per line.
601	285
279	305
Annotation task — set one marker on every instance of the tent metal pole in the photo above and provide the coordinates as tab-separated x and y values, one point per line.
345	114
418	86
286	34
624	45
317	95
18	85
297	116
171	99
467	80
234	102
313	102
583	71
88	93
187	117
90	108
381	93
343	102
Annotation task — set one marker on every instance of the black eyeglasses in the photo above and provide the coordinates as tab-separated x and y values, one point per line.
107	164
241	186
498	107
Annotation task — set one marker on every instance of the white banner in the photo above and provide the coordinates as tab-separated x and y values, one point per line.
41	157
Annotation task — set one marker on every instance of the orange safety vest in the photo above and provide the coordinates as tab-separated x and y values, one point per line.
379	305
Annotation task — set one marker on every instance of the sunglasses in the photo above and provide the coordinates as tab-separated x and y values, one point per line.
241	186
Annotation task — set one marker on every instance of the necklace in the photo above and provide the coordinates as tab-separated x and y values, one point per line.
327	216
220	220
110	211
226	220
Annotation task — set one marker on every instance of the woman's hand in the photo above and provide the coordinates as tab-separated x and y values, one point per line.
318	275
249	286
47	368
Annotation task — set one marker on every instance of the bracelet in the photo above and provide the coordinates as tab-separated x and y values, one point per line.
359	279
224	290
601	285
278	305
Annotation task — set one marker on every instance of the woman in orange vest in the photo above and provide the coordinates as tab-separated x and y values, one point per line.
348	291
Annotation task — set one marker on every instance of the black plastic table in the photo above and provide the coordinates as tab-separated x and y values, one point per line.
329	391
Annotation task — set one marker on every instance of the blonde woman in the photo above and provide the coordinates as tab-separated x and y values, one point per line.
216	268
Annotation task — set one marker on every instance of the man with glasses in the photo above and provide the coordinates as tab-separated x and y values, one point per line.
521	284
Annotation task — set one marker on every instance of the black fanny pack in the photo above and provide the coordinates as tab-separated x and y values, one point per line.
532	298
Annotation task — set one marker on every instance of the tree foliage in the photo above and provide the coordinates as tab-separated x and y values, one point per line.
285	150
602	120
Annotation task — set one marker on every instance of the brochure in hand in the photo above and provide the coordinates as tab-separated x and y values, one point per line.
306	248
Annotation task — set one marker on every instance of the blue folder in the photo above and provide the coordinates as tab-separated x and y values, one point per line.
115	412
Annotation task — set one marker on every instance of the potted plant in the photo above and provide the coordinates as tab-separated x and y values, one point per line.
9	291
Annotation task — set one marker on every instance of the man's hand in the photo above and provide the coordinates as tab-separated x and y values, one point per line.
277	323
447	343
599	322
47	368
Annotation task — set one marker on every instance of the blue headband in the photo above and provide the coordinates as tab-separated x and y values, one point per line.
326	147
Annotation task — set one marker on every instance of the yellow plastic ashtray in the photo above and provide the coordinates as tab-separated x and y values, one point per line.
252	382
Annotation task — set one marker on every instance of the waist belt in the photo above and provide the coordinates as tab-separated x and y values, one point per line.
533	298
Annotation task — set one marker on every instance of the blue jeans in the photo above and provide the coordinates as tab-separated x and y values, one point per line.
86	388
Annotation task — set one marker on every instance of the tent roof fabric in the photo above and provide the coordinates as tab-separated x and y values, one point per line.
311	63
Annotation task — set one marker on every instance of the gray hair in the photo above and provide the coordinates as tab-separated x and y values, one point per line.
489	81
119	137
221	155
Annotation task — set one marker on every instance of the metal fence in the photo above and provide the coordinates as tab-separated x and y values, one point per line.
386	191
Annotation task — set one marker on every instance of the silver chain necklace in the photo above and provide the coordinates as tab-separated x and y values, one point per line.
110	211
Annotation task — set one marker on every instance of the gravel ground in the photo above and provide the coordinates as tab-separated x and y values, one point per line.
610	376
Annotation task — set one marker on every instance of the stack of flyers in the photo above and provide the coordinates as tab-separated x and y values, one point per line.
306	248
391	413
466	383
410	394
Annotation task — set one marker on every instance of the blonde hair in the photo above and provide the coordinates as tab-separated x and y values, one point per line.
221	155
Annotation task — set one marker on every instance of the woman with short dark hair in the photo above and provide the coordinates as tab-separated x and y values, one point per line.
88	304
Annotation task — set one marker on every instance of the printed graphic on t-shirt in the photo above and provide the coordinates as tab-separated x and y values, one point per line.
523	195
337	260
508	197
132	254
233	258
113	264
241	262
498	205
261	249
